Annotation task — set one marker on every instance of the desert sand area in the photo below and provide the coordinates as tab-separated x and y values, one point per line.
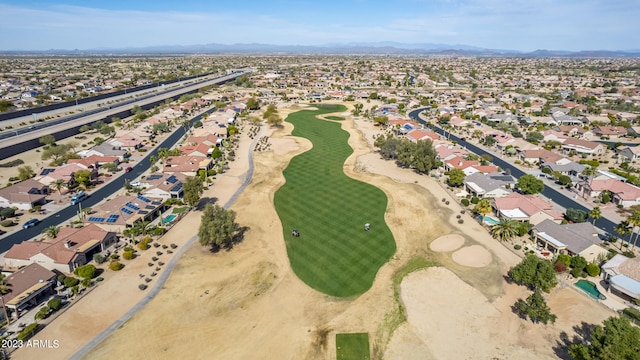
246	303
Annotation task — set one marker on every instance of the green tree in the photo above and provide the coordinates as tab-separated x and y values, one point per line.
505	230
617	339
5	105
424	158
47	140
87	271
624	229
406	150
357	109
253	104
634	221
51	231
483	208
271	109
534	273
274	120
55	152
529	184
456	177
193	190
380	120
535	307
25	172
595	214
534	137
576	215
217	227
489	141
83	177
7	212
85	128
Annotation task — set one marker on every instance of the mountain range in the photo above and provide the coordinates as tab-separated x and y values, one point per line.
371	48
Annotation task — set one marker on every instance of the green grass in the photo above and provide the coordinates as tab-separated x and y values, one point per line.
332	117
333	254
352	346
179	210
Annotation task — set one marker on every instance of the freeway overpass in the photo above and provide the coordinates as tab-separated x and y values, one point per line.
14	142
550	193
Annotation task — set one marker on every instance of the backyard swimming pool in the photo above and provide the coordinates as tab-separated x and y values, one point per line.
488	220
591	289
170	218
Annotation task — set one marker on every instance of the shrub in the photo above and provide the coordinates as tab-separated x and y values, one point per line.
85	271
160	263
154	258
114	257
86	282
128	248
593	269
99	259
55	304
128	255
465	202
6	223
446	202
164	246
576	272
7	212
158	231
475	200
156	245
629	254
70	281
632	313
42	313
460	221
12	163
143	245
61	278
100	278
115	266
158	253
169	252
564	258
28	331
173	246
559	266
517	247
142	287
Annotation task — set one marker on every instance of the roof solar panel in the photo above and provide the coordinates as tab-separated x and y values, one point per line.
172	179
154	177
46	171
143	198
126	211
132	206
177	187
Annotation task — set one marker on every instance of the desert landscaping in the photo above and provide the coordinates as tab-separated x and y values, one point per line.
247	302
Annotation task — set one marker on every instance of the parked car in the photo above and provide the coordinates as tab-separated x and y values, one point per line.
79	197
30	223
128	169
135	183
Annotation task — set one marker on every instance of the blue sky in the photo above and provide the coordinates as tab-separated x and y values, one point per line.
496	24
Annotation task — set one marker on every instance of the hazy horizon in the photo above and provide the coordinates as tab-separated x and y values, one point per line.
570	25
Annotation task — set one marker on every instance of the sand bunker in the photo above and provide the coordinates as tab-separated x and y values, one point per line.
447	243
472	256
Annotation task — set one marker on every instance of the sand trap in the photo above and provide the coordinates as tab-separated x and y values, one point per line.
282	146
472	256
447	243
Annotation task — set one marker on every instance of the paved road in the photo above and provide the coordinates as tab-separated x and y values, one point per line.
95	197
553	194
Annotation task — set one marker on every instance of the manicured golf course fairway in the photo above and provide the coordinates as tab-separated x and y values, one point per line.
333	254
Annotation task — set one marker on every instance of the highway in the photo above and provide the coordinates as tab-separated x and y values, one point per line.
550	193
106	190
9	139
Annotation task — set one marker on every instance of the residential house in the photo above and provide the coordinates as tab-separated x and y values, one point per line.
539	156
621	193
95	161
419	134
207	139
584	146
610	132
65	173
531	208
623	276
187	165
107	149
72	247
572	239
163	186
24	195
29	287
128	141
492	185
629	153
196	150
566	167
124	211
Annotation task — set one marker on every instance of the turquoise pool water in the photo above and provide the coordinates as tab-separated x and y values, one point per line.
489	220
170	218
591	289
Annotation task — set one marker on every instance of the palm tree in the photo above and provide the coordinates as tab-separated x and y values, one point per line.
595	214
58	185
589	172
52	231
4	289
505	230
141	227
483	208
634	220
623	228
